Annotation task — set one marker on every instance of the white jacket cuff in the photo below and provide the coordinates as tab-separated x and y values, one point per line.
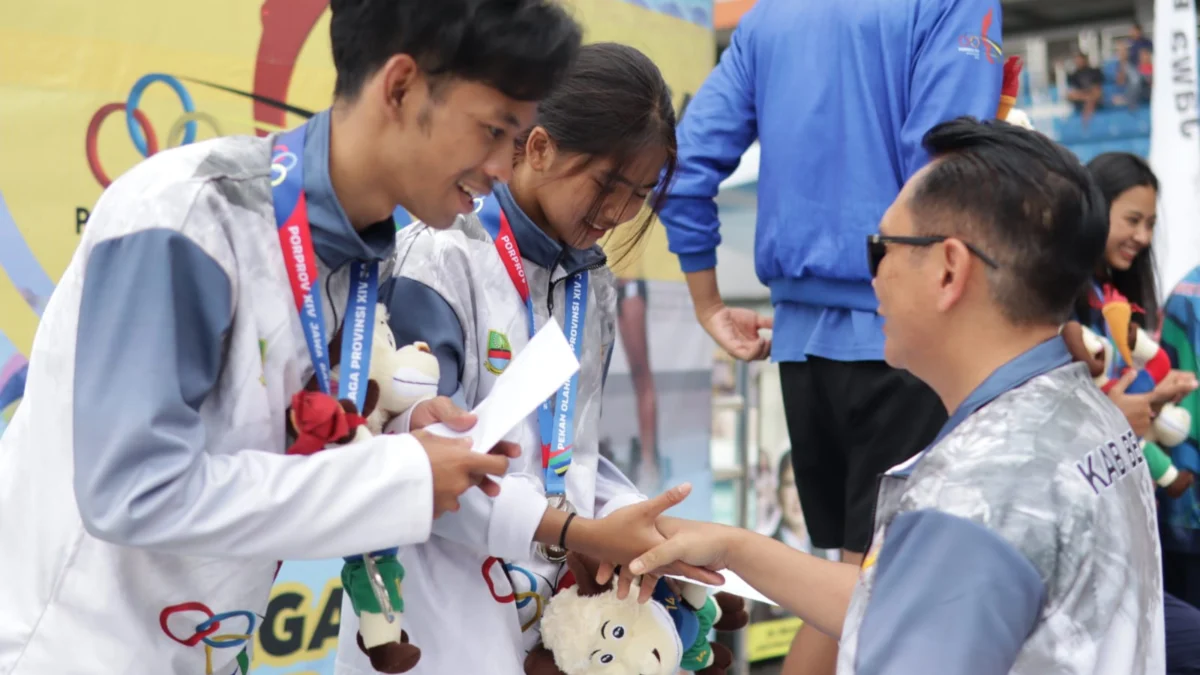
1168	477
620	502
516	514
402	423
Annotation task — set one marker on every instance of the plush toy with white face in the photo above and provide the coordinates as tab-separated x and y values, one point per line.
404	376
587	630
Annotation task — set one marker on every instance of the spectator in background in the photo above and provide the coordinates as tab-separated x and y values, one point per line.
1134	89
1130	191
1145	69
1138	44
1085	87
840	116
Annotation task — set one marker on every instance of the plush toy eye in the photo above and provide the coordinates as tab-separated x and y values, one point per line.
618	632
607	658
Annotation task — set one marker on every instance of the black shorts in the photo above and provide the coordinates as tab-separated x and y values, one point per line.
850	421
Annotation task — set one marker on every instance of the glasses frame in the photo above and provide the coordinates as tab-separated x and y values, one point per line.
877	248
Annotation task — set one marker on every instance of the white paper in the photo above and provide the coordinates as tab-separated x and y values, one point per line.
734	585
537	372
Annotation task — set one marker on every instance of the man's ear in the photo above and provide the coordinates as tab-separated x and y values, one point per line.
399	78
954	274
540	150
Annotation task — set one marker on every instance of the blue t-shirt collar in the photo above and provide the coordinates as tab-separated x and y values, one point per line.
537	246
1045	357
334	238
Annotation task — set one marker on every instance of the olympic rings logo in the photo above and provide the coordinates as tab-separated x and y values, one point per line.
206	630
283	161
521	599
182	132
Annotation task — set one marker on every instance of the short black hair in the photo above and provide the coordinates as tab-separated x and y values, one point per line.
1114	173
520	47
613	104
1026	201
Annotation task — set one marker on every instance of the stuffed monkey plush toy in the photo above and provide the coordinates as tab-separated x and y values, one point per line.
398	380
587	630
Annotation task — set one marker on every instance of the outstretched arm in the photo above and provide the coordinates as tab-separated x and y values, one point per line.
948	595
816	590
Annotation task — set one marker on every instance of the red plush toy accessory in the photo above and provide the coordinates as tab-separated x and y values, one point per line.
319	419
1010	87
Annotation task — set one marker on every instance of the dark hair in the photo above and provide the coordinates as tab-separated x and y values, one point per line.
1026	201
1114	173
520	47
614	104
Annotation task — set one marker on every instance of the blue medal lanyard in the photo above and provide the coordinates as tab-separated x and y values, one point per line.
556	416
295	238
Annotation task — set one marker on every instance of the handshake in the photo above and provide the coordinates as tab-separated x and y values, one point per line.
637	540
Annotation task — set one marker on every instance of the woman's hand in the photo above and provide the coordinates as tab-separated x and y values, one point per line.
628	533
1176	385
1137	408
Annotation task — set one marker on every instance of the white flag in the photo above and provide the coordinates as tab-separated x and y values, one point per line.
1175	141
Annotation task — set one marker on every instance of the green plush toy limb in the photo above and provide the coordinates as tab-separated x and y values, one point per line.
698	656
357	584
1157	461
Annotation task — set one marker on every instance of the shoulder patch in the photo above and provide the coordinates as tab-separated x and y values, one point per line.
499	352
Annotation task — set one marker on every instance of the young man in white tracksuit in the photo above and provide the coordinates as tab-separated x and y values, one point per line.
145	495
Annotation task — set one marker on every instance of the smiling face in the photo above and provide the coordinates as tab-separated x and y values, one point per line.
446	140
1131	220
580	198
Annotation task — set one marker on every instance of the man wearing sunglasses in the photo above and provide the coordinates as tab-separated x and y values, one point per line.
1023	539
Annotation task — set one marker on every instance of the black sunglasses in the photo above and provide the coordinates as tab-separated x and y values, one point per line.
877	248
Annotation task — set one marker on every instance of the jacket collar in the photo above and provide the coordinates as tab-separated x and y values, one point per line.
334	238
537	247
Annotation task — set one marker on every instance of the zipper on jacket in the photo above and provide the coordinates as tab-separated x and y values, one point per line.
550	292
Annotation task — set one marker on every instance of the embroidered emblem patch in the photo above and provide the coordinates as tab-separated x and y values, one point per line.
499	352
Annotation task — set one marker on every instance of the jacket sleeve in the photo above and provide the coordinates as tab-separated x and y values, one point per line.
957	70
718	127
950	596
503	527
613	490
154	314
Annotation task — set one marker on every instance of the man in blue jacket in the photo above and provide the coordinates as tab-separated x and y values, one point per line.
839	94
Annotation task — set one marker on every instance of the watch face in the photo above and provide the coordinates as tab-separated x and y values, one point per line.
553	554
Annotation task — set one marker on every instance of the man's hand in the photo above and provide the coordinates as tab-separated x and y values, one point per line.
457	469
1137	408
703	545
736	330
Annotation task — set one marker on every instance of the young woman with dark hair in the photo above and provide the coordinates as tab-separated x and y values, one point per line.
1130	189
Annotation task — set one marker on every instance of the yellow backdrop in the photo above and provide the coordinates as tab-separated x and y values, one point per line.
68	68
